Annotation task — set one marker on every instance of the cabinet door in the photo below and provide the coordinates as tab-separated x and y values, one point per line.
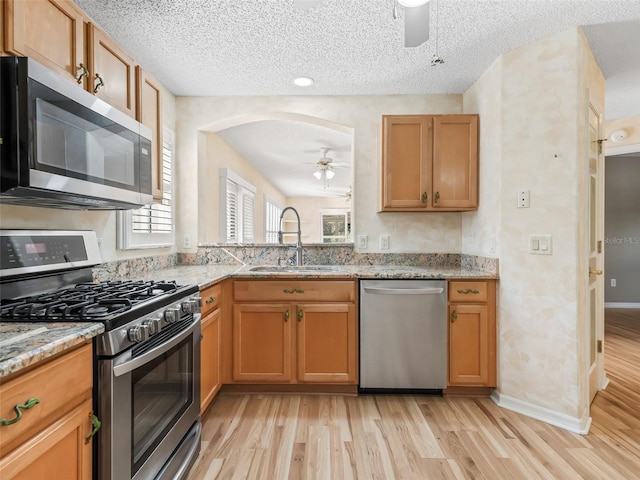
262	336
111	66
406	162
49	31
455	162
327	344
149	109
61	451
210	358
469	346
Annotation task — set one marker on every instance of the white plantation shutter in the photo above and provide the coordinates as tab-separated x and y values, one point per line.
271	220
237	208
248	207
152	225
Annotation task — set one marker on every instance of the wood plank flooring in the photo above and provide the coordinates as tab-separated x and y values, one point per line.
278	437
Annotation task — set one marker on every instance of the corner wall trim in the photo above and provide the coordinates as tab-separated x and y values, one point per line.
573	424
621	305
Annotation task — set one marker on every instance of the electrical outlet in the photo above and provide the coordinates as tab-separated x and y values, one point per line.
362	241
524	198
186	243
384	242
613	282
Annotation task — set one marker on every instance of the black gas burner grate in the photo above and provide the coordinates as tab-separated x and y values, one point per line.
84	301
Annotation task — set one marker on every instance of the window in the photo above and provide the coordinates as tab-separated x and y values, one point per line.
271	220
152	225
238	204
336	225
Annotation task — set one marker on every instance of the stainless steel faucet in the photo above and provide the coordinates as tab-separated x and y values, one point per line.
298	259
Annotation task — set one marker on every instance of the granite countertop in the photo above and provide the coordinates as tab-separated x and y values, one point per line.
23	344
207	275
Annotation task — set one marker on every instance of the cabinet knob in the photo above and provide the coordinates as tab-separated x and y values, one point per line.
437	197
454	316
98	82
211	299
300	315
468	290
424	197
286	315
96	424
82	72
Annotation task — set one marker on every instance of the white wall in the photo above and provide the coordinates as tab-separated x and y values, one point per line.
409	232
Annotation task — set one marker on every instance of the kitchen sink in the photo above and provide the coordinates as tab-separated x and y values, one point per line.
292	268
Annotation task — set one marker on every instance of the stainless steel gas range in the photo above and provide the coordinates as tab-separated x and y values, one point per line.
146	363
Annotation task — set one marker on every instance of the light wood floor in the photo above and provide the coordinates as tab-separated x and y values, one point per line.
277	437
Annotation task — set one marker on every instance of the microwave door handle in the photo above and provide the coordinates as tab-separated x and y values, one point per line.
137	362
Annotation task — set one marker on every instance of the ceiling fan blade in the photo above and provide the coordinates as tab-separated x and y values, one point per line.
416	25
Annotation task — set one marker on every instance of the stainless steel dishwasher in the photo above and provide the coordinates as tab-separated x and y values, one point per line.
403	335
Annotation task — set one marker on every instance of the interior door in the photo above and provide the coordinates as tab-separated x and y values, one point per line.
595	305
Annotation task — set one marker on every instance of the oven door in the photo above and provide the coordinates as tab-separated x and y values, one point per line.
149	402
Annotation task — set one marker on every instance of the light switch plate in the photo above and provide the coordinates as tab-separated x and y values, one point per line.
362	241
524	197
384	242
540	244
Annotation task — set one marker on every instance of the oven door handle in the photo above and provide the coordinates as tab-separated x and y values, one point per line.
137	362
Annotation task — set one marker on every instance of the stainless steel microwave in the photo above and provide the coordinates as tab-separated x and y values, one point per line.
62	147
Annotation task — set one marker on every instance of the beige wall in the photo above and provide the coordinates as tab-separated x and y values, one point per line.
534	110
409	232
219	154
103	223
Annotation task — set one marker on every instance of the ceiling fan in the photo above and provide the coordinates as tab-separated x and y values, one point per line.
416	18
325	166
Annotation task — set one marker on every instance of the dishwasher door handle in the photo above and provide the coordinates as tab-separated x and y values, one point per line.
403	291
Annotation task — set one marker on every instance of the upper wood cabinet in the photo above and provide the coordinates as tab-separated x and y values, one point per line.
429	163
112	71
49	31
149	108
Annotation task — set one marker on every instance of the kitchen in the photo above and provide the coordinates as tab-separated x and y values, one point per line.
545	387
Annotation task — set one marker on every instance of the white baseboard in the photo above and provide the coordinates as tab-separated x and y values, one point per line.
621	305
573	424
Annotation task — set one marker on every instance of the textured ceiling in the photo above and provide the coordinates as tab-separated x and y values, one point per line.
354	47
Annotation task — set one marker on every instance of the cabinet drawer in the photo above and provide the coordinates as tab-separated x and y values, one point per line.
211	297
294	290
59	385
471	292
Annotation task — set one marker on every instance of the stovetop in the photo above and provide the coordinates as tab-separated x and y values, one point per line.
113	303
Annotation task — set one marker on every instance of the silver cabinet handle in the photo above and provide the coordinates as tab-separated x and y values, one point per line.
403	291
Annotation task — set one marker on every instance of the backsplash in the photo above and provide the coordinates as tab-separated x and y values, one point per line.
312	255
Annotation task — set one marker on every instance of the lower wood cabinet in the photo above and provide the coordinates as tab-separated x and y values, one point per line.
53	438
472	333
210	345
311	340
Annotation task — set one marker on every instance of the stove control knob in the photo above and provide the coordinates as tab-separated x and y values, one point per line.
172	315
154	325
138	333
191	305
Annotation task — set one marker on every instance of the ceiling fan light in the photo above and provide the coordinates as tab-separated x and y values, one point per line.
412	3
317	174
330	174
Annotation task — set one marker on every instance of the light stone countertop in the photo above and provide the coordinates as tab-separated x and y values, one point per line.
22	344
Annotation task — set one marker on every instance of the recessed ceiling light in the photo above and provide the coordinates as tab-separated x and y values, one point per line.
412	3
303	81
